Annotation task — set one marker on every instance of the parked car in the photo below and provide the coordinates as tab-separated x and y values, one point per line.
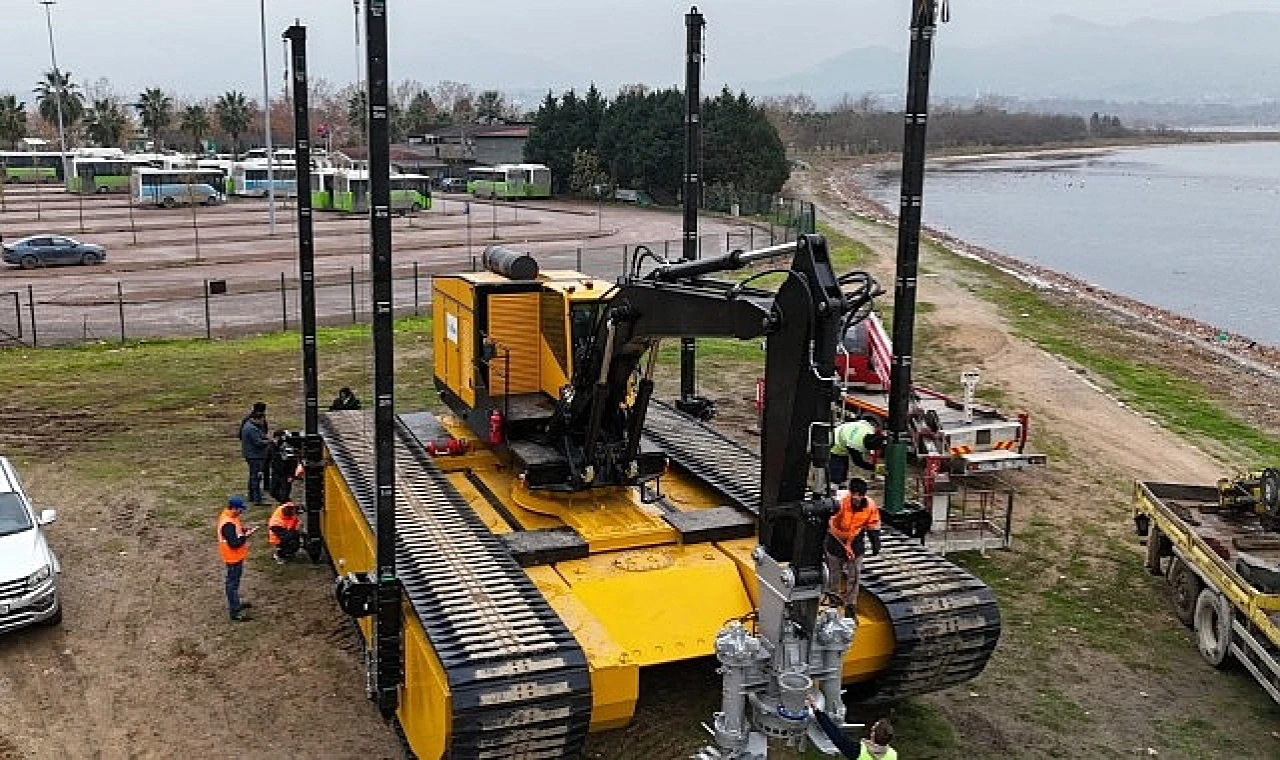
29	570
453	185
47	250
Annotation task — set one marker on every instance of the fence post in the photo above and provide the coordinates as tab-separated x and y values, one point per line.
120	306
284	305
666	250
208	325
751	232
624	259
415	288
353	295
17	311
31	305
578	267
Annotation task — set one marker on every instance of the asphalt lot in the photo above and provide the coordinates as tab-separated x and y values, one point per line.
153	282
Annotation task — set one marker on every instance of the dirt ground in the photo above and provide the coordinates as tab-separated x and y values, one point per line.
146	666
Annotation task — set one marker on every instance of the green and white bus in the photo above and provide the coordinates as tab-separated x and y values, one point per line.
510	181
348	190
32	166
95	175
322	193
174	187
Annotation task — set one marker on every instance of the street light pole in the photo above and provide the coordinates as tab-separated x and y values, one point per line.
266	115
57	76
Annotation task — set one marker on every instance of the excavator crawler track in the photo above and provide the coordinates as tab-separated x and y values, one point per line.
945	621
518	681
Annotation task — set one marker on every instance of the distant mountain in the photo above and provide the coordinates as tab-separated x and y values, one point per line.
1227	58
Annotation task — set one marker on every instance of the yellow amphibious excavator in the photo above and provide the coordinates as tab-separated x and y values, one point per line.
561	530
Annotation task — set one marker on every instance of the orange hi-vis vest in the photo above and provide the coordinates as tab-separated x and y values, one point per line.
231	556
280	520
847	522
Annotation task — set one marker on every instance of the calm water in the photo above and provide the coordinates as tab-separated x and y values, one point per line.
1194	229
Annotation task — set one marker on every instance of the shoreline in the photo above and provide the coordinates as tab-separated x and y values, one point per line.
1055	151
1242	349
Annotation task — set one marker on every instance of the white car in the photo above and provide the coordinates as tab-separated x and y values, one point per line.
29	571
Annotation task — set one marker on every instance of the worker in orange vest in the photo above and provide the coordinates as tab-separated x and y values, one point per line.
856	522
283	532
233	545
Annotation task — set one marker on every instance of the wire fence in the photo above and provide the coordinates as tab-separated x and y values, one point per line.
220	308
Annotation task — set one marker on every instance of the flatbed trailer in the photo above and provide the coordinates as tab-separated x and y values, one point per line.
1223	568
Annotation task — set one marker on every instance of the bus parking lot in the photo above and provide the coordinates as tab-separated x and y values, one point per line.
161	262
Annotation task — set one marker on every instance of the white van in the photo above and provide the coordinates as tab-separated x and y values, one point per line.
29	571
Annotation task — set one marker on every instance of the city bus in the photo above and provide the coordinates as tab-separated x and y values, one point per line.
172	187
348	190
223	165
250	179
32	166
410	192
322	181
509	181
90	174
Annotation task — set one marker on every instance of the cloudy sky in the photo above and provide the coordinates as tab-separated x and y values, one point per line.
204	47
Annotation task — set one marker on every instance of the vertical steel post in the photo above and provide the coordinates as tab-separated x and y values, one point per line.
694	23
120	306
923	24
415	288
17	311
312	446
132	227
208	325
388	644
266	124
31	305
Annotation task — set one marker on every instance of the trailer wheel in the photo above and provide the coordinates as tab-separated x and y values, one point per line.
1270	491
1184	588
1213	627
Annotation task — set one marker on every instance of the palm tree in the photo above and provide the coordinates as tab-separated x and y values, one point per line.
155	109
195	122
13	120
47	95
233	114
106	122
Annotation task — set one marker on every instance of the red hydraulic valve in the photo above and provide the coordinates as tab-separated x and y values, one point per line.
495	427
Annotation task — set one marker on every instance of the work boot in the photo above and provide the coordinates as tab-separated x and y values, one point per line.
246	605
276	556
241	617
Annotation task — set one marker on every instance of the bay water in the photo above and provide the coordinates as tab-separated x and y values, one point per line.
1194	229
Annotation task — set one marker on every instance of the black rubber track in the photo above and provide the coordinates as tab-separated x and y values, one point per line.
518	680
945	621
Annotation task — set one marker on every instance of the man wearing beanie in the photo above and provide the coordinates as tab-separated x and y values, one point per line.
233	545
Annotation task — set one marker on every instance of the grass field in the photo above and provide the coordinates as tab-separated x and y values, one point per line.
168	411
